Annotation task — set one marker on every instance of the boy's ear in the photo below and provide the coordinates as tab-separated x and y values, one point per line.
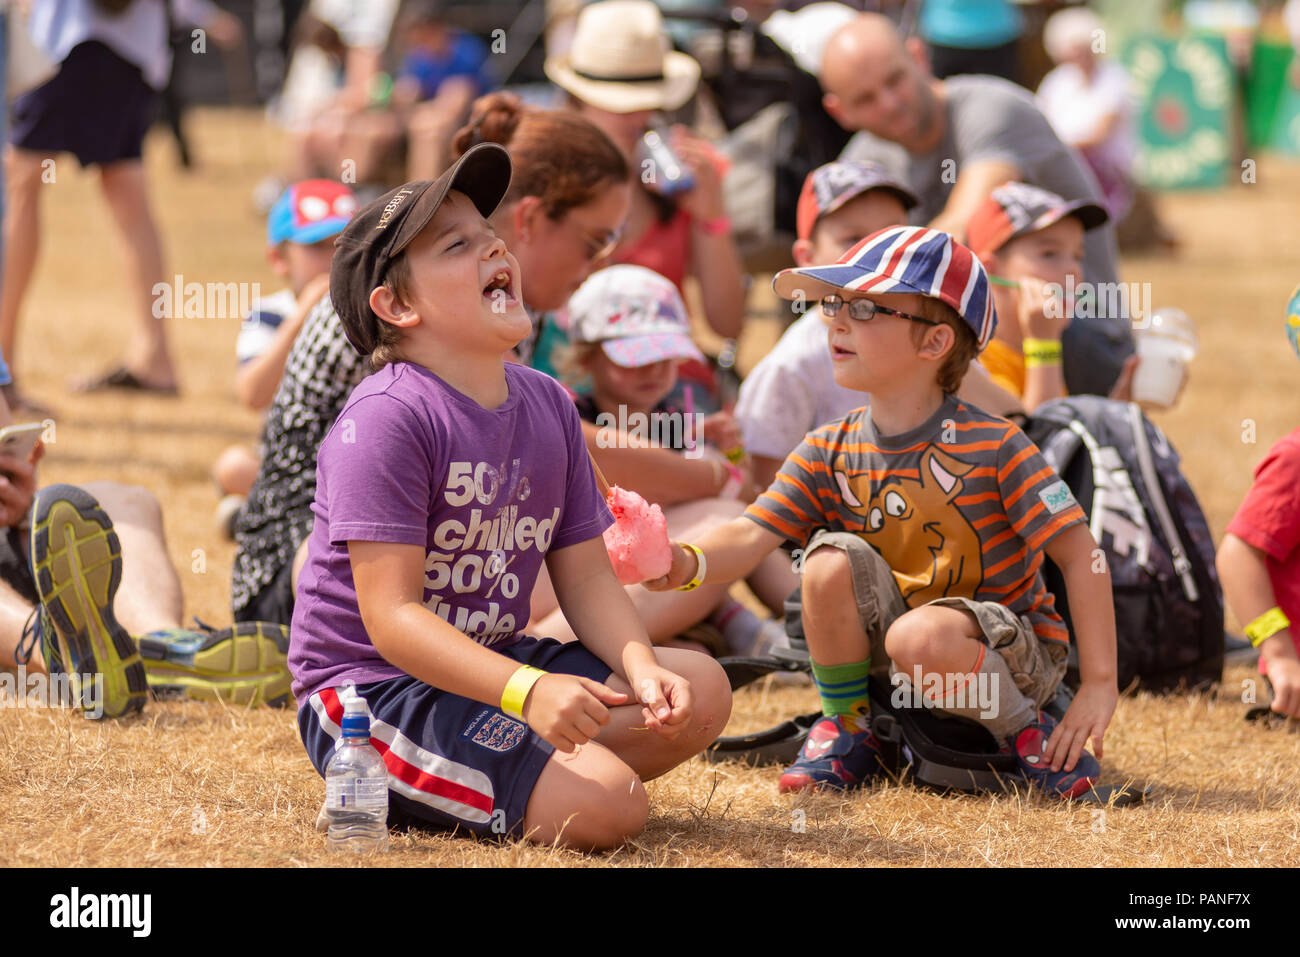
936	342
275	257
525	217
391	309
831	104
802	252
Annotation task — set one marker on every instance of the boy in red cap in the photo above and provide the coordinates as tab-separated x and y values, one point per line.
1031	240
445	482
1259	559
924	523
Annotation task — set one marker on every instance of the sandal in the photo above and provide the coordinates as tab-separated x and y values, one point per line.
120	377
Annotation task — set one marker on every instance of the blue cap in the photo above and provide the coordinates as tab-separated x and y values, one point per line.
310	211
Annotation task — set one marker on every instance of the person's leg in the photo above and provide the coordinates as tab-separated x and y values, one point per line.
149	597
14	612
22	236
236	470
588	800
125	190
646	752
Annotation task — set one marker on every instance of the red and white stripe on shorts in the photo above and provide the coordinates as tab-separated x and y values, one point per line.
413	772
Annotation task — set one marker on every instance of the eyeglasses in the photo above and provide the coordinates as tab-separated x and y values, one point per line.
600	245
864	310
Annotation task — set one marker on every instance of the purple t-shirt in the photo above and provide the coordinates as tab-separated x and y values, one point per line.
486	492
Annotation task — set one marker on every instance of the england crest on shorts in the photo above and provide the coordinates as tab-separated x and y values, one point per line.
495	731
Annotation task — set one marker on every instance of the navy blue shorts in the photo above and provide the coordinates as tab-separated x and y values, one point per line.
452	762
97	107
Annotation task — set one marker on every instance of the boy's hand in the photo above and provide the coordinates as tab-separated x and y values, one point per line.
1041	315
568	710
680	572
704	200
665	699
18	485
1285	675
721	431
1087	717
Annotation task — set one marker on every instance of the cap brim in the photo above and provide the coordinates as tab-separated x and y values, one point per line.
482	174
635	351
681	80
322	229
1089	214
811	283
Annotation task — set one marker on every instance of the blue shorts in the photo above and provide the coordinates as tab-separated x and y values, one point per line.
452	762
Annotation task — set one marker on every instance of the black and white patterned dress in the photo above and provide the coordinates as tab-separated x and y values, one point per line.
319	375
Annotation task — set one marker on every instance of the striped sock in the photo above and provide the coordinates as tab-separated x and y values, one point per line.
844	692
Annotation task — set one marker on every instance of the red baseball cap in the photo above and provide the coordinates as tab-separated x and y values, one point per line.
1017	209
829	187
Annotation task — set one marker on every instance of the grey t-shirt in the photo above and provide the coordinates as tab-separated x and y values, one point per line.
991	119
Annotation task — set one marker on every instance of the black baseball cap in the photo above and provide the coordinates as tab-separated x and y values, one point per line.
383	228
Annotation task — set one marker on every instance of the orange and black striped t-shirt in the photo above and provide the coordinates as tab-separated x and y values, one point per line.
961	506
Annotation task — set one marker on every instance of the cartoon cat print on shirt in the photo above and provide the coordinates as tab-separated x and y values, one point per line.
918	529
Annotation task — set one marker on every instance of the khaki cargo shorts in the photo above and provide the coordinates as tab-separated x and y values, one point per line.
1036	666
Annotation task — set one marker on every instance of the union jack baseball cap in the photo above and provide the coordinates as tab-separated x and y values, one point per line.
829	187
309	211
903	259
636	315
1016	209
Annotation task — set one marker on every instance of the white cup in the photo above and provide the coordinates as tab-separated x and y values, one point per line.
1165	347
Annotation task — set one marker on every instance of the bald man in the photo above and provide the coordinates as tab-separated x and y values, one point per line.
951	142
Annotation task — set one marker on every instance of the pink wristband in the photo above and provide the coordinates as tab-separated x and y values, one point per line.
715	227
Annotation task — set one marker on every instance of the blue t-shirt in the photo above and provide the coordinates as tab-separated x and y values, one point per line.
467	57
486	492
970	24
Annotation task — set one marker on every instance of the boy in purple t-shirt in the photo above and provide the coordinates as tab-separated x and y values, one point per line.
447	480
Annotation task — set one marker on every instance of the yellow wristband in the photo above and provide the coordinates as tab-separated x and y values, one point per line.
702	569
1041	352
1266	626
516	690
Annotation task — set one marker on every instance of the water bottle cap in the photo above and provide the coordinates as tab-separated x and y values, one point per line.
356	725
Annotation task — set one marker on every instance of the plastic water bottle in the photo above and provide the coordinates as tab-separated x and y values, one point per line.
356	784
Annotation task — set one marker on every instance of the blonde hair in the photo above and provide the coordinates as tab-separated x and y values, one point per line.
572	361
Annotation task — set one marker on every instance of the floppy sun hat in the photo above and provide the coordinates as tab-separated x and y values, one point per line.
383	228
620	60
903	259
636	315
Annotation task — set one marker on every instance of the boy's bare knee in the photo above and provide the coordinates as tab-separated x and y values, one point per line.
913	639
609	813
712	709
827	576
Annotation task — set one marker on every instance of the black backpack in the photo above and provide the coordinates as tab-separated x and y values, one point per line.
1157	544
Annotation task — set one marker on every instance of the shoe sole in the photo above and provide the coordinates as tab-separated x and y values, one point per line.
246	665
77	564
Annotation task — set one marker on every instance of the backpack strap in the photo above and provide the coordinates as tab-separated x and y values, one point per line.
1182	565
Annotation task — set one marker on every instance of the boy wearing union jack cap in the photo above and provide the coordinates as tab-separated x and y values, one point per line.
923	522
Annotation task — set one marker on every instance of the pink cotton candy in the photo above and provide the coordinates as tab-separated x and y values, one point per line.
637	542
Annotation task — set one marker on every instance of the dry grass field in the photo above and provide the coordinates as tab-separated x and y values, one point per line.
197	784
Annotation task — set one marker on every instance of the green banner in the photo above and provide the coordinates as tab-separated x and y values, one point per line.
1184	88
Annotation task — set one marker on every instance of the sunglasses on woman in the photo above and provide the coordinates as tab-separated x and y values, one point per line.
864	310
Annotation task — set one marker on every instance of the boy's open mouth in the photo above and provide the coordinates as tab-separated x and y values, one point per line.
839	352
502	282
